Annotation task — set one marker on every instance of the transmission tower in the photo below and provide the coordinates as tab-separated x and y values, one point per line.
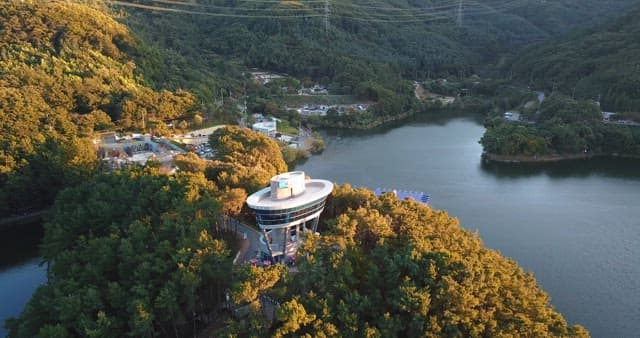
459	19
326	16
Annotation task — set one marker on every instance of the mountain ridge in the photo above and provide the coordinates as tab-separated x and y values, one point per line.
599	64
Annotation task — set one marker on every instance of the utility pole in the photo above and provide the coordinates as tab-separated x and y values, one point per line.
326	16
244	108
531	78
459	20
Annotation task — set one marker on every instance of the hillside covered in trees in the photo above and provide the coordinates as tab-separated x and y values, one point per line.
560	127
133	253
368	49
136	253
389	268
293	36
601	63
66	73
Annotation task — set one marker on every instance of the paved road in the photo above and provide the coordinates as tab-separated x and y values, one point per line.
253	238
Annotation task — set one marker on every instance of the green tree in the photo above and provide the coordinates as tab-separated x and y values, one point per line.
293	316
190	162
129	253
66	73
389	268
244	159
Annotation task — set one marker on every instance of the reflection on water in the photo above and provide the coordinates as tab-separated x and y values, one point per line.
19	244
439	119
606	166
21	271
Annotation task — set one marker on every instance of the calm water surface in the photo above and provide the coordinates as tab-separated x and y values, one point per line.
575	225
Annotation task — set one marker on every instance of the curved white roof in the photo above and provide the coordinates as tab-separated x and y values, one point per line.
288	176
314	190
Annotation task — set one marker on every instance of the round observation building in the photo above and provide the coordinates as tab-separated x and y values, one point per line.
288	210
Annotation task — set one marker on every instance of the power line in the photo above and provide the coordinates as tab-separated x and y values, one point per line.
399	15
450	5
391	19
243	9
224	15
497	9
448	12
395	9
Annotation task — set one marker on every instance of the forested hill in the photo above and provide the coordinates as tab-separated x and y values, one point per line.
359	42
140	254
65	73
602	62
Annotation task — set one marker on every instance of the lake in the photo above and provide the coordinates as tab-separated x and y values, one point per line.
20	269
575	225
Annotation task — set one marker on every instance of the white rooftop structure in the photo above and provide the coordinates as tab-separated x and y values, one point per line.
268	128
285	208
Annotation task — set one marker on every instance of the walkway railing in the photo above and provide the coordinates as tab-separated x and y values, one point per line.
248	236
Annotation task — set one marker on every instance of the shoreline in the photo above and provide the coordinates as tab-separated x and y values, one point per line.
11	222
550	158
379	122
395	120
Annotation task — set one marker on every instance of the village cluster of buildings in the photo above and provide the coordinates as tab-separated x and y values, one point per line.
264	78
119	150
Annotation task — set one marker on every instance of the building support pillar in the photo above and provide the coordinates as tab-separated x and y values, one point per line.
314	224
286	241
266	239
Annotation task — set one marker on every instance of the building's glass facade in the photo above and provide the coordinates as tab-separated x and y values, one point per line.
285	216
